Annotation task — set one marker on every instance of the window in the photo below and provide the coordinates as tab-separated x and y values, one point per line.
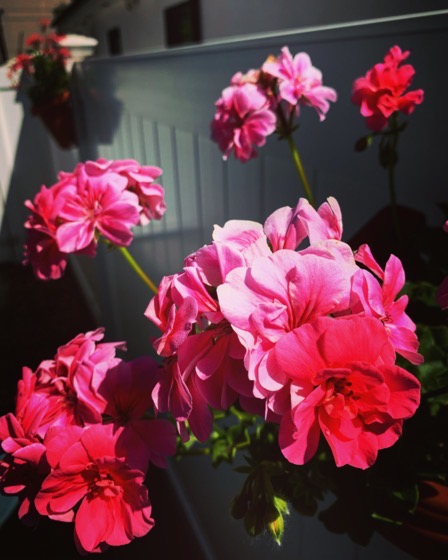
182	23
114	41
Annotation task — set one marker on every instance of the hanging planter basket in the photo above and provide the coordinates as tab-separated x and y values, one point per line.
57	116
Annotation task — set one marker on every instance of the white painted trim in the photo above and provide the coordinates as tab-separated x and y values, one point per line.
249	41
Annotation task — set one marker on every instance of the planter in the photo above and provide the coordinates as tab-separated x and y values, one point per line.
57	116
424	534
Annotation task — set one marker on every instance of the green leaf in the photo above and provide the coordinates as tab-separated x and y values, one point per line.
422	291
363	143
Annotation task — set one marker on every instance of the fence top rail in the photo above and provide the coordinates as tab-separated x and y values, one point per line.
420	22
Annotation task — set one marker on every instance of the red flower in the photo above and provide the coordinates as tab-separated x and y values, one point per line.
382	91
344	383
96	487
243	120
41	249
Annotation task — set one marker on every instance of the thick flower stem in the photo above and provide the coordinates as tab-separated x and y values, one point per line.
392	157
298	163
137	269
388	159
285	130
393	202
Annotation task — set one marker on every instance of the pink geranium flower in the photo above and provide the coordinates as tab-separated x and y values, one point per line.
379	300
41	249
175	321
236	243
243	121
382	91
140	180
279	293
351	392
194	332
97	205
300	83
127	390
70	382
97	198
25	466
96	487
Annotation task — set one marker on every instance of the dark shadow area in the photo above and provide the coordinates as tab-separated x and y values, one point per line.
94	104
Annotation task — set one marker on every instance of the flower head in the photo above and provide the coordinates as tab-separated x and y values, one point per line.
352	392
98	205
41	248
140	180
92	484
382	91
299	82
243	121
98	198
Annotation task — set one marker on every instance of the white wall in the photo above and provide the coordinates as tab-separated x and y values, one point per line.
223	18
143	28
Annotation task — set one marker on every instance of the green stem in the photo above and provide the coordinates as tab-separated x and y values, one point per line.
298	163
285	131
137	269
391	177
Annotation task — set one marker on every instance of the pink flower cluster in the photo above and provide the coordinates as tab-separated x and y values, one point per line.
80	440
253	106
306	337
98	199
382	91
43	45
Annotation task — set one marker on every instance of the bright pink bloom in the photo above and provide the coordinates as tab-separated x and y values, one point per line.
211	366
235	244
127	390
215	357
300	83
378	300
286	228
382	91
140	180
24	467
243	121
252	76
97	205
188	312
172	395
279	293
208	371
239	242
189	284
174	321
70	382
99	197
41	249
94	485
344	384
18	433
